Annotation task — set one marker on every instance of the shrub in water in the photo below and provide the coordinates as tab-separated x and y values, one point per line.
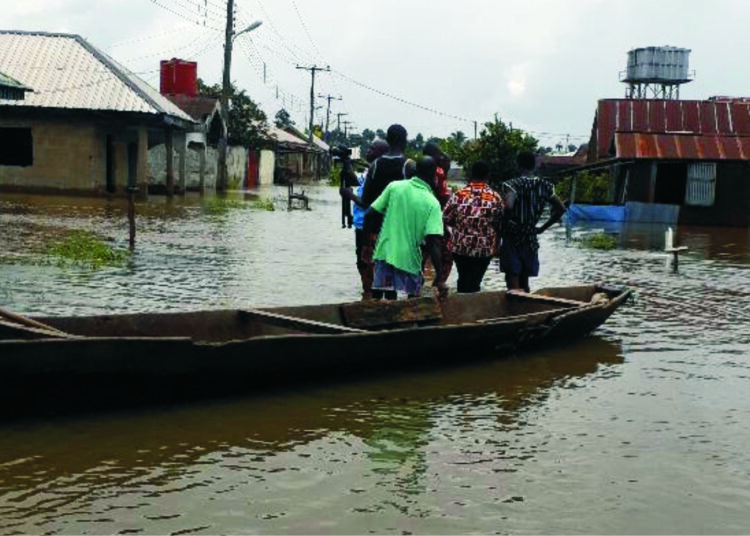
84	247
599	241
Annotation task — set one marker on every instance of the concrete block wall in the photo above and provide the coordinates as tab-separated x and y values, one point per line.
66	156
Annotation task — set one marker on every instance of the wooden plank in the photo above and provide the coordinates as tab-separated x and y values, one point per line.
546	299
23	320
14	330
296	323
371	314
502	319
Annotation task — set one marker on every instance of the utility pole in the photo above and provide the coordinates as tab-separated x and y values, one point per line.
338	120
226	85
346	125
312	93
221	179
329	98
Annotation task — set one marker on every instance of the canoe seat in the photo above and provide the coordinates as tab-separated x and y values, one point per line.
294	322
372	314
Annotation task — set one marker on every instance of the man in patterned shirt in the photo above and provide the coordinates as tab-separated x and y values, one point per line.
525	199
474	213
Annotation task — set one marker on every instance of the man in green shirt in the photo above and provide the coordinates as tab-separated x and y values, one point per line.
410	215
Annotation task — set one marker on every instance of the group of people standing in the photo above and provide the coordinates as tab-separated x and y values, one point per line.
404	212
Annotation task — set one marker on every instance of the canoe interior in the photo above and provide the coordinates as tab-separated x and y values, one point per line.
228	325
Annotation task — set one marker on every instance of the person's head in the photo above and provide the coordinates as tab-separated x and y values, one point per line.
479	171
426	167
410	169
526	160
377	149
433	150
396	137
441	159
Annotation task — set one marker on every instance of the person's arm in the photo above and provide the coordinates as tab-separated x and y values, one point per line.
349	194
557	209
373	220
509	196
433	247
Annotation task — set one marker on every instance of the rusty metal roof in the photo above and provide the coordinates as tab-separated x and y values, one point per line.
65	71
681	146
644	128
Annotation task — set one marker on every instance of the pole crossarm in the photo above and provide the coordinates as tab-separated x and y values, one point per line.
312	70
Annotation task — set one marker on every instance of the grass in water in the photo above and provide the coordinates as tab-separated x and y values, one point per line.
84	247
221	205
264	203
599	241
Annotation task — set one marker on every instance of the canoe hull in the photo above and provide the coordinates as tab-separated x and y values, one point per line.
209	352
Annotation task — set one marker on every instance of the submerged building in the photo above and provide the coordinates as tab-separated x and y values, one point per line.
85	123
671	160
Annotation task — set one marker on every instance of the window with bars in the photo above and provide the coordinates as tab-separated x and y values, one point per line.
701	184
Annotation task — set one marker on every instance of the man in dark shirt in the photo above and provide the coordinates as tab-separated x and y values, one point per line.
387	168
525	199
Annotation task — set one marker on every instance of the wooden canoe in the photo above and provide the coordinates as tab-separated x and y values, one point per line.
82	356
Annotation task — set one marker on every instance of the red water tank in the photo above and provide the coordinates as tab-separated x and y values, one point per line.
178	77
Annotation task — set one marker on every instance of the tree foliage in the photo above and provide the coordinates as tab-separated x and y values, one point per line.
247	124
453	146
497	145
283	119
591	188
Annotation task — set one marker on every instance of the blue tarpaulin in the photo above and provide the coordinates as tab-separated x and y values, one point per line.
596	213
632	211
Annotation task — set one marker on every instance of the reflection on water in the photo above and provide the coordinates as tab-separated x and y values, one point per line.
641	429
369	447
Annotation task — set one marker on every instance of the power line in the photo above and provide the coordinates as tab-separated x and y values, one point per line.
183	16
304	26
399	99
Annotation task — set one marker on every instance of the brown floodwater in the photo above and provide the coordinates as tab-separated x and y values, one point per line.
640	429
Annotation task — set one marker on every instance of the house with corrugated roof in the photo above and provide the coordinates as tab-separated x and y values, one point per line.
11	89
296	159
86	125
676	161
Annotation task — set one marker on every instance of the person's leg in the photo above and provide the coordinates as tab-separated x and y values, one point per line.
478	269
530	267
365	270
470	272
510	264
523	282
461	269
512	282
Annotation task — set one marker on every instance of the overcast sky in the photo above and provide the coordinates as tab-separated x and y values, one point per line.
540	65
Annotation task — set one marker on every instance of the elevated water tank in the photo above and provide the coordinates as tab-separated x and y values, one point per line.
178	77
668	65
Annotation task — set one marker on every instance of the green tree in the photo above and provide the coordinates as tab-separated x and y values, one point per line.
453	146
498	145
368	136
283	119
415	145
246	123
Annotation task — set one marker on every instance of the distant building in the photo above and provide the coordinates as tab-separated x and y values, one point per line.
11	89
296	159
88	122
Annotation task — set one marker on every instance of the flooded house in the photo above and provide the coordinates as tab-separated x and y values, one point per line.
296	159
670	160
85	126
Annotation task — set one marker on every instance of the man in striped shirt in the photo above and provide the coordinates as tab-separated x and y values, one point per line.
526	198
